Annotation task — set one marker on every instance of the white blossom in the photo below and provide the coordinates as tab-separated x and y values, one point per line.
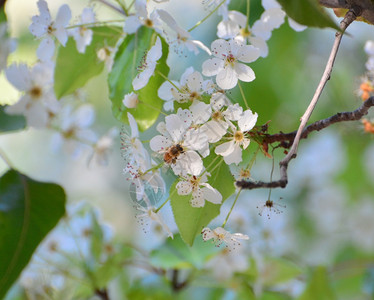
236	27
226	263
43	26
131	100
132	148
103	146
182	38
142	18
150	213
148	66
231	150
199	188
81	34
226	65
220	235
74	132
178	144
38	103
106	54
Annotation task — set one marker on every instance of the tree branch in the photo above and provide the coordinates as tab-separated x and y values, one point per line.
282	182
286	139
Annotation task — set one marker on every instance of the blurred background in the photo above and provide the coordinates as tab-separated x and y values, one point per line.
328	220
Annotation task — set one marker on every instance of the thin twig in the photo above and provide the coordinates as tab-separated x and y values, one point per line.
348	19
288	138
118	9
350	16
102	294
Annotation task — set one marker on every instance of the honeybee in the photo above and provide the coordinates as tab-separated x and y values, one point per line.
171	155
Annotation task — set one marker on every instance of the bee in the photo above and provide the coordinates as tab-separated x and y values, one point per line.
172	153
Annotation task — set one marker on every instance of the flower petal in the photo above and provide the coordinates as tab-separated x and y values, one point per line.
244	72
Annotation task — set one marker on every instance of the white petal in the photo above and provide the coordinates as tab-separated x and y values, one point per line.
214	130
227	29
211	194
207	234
188	162
61	34
197	198
238	18
244	72
212	66
225	148
235	156
268	4
296	26
131	100
227	78
184	187
164	91
63	16
248	120
19	76
155	53
175	127
201	112
160	143
84	116
220	48
133	126
46	49
195	81
248	53
132	24
260	44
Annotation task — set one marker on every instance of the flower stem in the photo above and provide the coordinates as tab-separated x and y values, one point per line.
92	24
6	159
151	106
203	20
162	205
167	79
248	10
232	207
243	96
154	168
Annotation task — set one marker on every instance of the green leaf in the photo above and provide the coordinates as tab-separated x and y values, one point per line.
28	211
74	69
308	12
191	220
10	122
2	13
220	175
97	237
318	286
280	270
128	57
175	254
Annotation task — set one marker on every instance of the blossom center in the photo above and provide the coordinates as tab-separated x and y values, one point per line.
148	23
194	95
238	136
230	59
245	32
50	28
245	173
35	92
217	115
195	182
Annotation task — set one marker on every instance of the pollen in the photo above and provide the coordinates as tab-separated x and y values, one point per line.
230	59
245	32
148	23
35	92
217	115
238	136
194	95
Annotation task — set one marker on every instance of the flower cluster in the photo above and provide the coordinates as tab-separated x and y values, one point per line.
204	128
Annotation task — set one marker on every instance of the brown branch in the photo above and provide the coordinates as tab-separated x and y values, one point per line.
282	182
287	138
175	284
102	294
